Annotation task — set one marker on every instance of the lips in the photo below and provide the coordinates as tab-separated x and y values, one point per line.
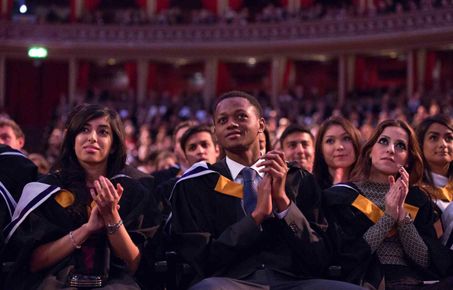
91	148
388	159
233	134
340	156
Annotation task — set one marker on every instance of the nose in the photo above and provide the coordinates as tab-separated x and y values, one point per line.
340	146
92	137
299	148
200	150
391	148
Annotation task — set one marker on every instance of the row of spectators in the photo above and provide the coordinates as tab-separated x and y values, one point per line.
150	126
267	12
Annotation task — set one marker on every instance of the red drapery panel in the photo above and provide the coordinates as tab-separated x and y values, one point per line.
80	6
300	3
379	72
431	59
320	77
130	69
33	90
152	76
215	5
83	78
6	7
223	78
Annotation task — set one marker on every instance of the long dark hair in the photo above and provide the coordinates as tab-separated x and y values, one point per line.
68	164
415	163
320	168
421	131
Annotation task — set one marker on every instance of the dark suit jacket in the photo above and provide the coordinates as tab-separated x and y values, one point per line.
214	234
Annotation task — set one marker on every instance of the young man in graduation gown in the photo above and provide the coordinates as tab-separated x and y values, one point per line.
267	232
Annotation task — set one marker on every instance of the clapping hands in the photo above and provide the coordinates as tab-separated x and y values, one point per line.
396	196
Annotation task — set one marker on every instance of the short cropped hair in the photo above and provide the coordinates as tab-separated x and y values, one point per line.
240	94
6	122
295	128
194	130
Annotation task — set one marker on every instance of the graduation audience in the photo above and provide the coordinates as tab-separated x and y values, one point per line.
74	225
383	225
253	220
337	147
435	135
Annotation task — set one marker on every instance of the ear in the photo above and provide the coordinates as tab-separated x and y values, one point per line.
262	124
21	142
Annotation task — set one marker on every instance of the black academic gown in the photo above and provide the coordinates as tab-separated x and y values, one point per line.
348	223
16	170
56	217
217	238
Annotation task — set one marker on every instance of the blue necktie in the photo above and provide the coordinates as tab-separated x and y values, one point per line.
249	198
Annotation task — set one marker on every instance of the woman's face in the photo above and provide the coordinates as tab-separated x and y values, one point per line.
337	148
389	152
438	145
94	142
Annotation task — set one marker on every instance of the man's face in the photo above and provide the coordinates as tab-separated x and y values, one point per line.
237	124
200	147
299	147
8	137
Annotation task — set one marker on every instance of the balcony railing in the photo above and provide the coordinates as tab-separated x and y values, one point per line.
437	24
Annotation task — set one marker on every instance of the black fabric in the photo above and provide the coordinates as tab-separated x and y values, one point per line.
215	236
347	226
50	221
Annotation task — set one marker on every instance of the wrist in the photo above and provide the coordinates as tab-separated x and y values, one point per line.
282	202
258	217
112	218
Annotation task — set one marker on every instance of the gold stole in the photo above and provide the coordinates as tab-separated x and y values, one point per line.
374	213
229	187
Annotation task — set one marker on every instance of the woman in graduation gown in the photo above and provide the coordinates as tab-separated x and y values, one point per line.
75	225
382	225
337	147
435	135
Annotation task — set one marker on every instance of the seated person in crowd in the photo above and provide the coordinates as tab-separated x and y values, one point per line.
11	134
16	170
435	135
384	232
336	149
297	143
265	142
181	164
250	222
75	225
198	144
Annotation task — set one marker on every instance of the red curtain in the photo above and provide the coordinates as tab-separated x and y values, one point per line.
213	5
223	78
320	76
5	13
79	6
159	5
83	78
431	59
130	69
379	72
303	3
33	90
152	76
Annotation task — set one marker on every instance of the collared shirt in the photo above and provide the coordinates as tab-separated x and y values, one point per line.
235	170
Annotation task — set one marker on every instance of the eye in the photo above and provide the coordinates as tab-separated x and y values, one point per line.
449	138
104	132
242	116
330	141
85	130
432	137
383	141
347	138
191	147
222	120
400	146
